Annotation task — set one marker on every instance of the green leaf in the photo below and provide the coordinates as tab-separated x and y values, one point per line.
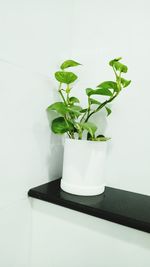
103	139
75	110
69	63
88	91
100	135
89	137
90	127
117	65
62	109
65	77
111	63
78	127
73	100
83	110
59	107
109	85
99	91
120	67
59	126
108	111
94	101
125	82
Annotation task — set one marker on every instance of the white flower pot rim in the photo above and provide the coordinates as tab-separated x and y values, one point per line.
86	141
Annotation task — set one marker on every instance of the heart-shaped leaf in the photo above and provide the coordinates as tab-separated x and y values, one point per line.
108	111
69	63
65	77
94	102
99	91
73	100
111	63
59	107
60	126
83	110
90	127
109	85
88	91
75	110
125	82
118	65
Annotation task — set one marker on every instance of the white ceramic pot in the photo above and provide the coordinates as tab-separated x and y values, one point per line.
83	167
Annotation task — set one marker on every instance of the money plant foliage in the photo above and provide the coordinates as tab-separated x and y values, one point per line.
73	119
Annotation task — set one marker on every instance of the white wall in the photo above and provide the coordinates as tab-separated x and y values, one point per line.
15	234
63	237
103	30
33	40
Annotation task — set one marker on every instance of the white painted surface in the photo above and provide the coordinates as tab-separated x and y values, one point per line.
26	146
30	50
35	33
15	234
65	238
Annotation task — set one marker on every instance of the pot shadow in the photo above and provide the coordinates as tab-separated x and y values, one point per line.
56	150
84	200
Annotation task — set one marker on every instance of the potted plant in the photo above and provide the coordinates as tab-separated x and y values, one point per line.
85	148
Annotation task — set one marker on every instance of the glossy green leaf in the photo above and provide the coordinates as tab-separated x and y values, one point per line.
102	139
65	77
100	135
89	137
88	91
125	82
83	110
94	102
99	91
73	100
90	127
59	107
111	63
109	85
69	63
120	67
108	111
78	127
75	110
59	126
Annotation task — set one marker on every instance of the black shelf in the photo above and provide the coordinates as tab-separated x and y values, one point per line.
115	205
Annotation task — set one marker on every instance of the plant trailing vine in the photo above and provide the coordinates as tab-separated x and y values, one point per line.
73	119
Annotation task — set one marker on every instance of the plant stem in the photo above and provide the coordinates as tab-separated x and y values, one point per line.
69	135
80	135
68	92
88	110
115	72
83	116
101	106
60	92
119	81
